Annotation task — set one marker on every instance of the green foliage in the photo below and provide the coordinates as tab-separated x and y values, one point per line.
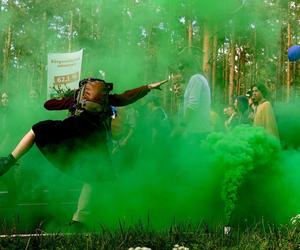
124	36
62	91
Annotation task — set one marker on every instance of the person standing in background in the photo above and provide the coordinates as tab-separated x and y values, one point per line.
231	119
264	115
241	105
196	104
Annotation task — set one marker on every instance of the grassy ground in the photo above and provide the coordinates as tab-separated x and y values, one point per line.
258	236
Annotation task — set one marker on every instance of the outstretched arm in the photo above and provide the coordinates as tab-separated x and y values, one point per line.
156	85
131	96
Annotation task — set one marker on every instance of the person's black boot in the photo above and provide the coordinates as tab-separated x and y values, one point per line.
6	163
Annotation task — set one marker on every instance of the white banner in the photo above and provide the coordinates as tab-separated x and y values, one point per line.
63	71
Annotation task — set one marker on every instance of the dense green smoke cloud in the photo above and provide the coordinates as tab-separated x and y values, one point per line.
240	153
288	119
233	178
243	174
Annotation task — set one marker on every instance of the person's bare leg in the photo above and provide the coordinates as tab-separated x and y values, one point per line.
24	145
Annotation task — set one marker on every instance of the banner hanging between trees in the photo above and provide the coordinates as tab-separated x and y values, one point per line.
63	71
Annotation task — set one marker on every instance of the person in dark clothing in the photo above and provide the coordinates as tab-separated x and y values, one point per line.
242	108
75	143
231	119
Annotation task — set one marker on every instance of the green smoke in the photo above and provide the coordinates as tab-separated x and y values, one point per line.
230	177
240	153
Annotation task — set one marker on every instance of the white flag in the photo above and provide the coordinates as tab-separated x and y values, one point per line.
63	69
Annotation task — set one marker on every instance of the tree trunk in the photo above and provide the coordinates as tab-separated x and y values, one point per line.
280	64
214	65
70	35
231	69
288	71
6	56
238	75
243	84
190	34
253	66
205	67
226	70
42	80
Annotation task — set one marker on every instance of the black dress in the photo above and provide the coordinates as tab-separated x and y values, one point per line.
79	145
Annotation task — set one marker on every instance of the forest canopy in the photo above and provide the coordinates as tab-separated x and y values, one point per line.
236	42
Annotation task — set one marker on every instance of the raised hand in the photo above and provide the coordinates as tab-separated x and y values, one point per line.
157	85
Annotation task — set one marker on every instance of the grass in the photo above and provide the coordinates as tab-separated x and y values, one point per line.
259	236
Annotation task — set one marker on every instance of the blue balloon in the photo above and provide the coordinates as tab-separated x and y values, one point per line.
294	53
